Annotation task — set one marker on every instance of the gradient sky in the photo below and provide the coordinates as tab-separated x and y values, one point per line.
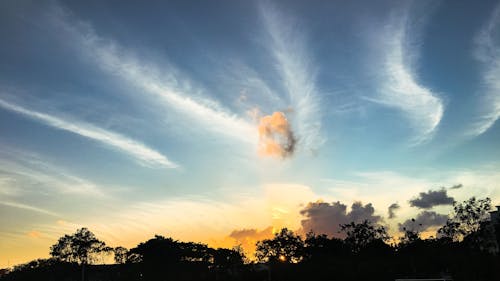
137	119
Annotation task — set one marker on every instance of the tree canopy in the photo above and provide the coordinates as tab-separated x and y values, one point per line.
360	235
81	247
467	249
466	218
286	246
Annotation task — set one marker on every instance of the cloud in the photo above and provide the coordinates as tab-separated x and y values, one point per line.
6	185
139	151
25	178
382	188
276	205
169	86
233	75
247	238
399	87
288	46
487	52
275	136
254	234
427	200
34	234
392	210
456	186
424	221
28	207
325	218
24	170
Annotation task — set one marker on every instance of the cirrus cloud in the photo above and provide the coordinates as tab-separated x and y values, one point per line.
398	85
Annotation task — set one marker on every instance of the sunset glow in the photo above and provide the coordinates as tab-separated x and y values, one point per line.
224	123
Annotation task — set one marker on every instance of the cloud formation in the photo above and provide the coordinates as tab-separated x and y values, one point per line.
423	221
275	136
456	186
391	211
427	200
34	234
487	51
139	151
288	46
28	207
26	172
325	218
169	86
399	87
247	238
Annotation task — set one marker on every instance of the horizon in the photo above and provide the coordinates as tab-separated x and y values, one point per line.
222	124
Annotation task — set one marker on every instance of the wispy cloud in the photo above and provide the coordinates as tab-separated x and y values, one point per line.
275	205
20	170
236	76
398	86
168	86
288	46
487	52
28	207
139	151
6	188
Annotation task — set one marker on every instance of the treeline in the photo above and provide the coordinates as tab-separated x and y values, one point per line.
466	248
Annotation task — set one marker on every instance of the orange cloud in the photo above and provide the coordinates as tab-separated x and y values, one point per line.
34	234
247	238
275	136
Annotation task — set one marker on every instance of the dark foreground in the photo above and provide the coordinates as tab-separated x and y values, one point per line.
459	266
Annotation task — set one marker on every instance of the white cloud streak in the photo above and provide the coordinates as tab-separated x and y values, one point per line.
170	88
22	174
249	83
144	154
28	207
487	51
20	170
298	74
399	87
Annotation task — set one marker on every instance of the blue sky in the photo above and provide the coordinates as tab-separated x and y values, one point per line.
137	119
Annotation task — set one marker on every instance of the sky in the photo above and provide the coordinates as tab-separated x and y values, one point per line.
222	121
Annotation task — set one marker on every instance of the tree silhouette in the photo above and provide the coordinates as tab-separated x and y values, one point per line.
226	262
284	247
226	258
466	219
362	255
318	247
161	250
360	235
411	235
81	247
156	250
120	254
